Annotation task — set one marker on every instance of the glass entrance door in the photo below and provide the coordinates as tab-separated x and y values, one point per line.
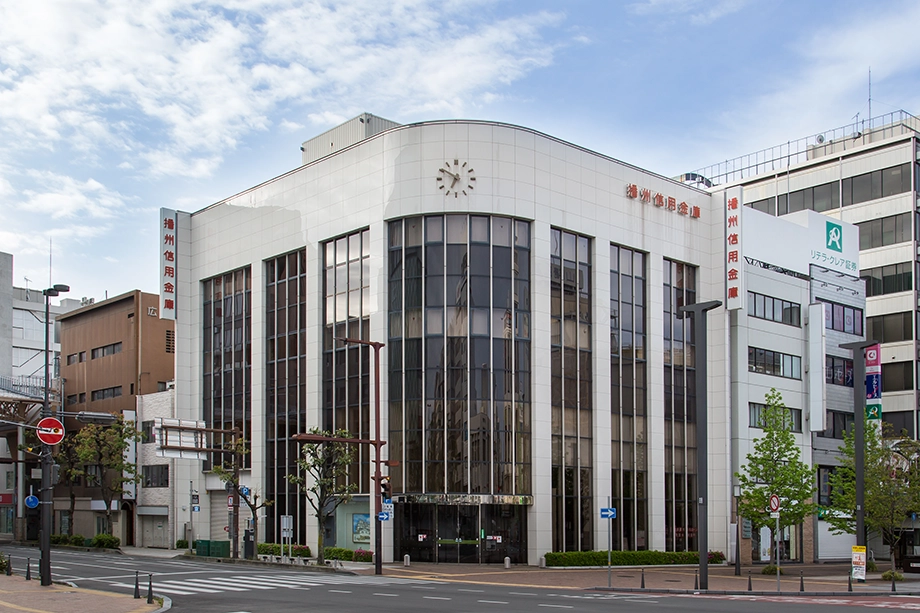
458	534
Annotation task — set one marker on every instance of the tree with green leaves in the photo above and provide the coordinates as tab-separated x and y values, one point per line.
775	467
71	471
104	447
323	477
892	485
231	477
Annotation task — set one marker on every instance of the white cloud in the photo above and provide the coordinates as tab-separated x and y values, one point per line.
177	85
291	126
65	197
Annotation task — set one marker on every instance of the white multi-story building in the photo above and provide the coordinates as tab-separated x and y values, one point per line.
536	366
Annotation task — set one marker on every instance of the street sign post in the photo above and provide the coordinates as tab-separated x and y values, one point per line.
609	513
774	512
50	431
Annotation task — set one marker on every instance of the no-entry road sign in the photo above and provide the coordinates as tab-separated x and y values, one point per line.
50	431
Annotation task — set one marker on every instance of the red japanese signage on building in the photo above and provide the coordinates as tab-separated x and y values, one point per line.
643	194
168	262
734	259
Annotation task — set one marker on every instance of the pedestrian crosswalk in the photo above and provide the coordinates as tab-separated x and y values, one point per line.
244	583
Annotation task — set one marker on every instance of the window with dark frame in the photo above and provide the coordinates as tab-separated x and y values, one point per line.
774	309
768	362
156	475
792	418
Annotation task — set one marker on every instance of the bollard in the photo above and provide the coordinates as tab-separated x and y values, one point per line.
850	582
137	585
542	561
28	569
642	585
696	579
9	565
150	589
749	581
406	560
893	588
801	582
507	562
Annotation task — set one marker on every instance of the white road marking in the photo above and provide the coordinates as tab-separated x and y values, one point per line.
492	601
556	606
379	594
341	591
437	598
473	591
218	584
158	590
522	594
184	586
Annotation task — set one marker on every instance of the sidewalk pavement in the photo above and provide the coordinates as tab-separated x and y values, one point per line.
17	594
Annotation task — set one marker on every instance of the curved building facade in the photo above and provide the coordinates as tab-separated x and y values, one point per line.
536	367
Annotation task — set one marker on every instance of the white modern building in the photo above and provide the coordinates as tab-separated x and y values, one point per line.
536	367
865	174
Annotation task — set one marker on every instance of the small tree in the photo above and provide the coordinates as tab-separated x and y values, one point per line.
323	477
229	476
775	467
71	471
105	446
892	484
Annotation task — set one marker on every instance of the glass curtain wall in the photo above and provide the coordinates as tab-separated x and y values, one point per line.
459	355
285	387
628	426
572	423
346	368
679	409
227	356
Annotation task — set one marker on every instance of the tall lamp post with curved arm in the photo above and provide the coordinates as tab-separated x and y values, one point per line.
46	498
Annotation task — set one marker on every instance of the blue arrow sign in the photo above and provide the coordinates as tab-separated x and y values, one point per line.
196	509
31	501
383	516
609	513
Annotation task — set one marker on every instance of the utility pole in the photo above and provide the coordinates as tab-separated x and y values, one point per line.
859	421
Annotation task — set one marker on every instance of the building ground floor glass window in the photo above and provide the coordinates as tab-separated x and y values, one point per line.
460	533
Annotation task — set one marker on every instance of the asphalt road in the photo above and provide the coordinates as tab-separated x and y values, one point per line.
209	587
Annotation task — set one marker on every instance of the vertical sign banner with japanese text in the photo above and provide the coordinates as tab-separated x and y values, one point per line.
734	255
168	262
874	382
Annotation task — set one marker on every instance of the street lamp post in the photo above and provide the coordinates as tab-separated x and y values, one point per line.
698	311
378	539
859	421
46	497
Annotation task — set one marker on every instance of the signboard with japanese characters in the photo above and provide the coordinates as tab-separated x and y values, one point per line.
168	262
735	297
797	241
662	201
874	382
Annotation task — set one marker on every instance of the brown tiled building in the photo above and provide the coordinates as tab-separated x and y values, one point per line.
111	352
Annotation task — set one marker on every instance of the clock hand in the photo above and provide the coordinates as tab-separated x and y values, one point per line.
455	176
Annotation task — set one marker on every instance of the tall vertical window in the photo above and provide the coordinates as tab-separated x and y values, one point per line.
628	427
346	368
227	355
680	485
459	355
285	384
572	423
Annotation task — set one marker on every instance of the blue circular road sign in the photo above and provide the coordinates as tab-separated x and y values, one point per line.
31	501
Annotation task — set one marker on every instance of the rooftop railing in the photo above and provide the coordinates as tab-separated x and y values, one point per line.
784	156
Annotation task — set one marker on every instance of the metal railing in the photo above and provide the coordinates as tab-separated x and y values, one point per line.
784	156
33	387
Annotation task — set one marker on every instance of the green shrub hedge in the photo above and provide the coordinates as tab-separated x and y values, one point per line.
339	553
77	540
274	549
182	544
362	555
106	541
628	558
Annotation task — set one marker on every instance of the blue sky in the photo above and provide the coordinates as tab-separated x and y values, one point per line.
111	109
